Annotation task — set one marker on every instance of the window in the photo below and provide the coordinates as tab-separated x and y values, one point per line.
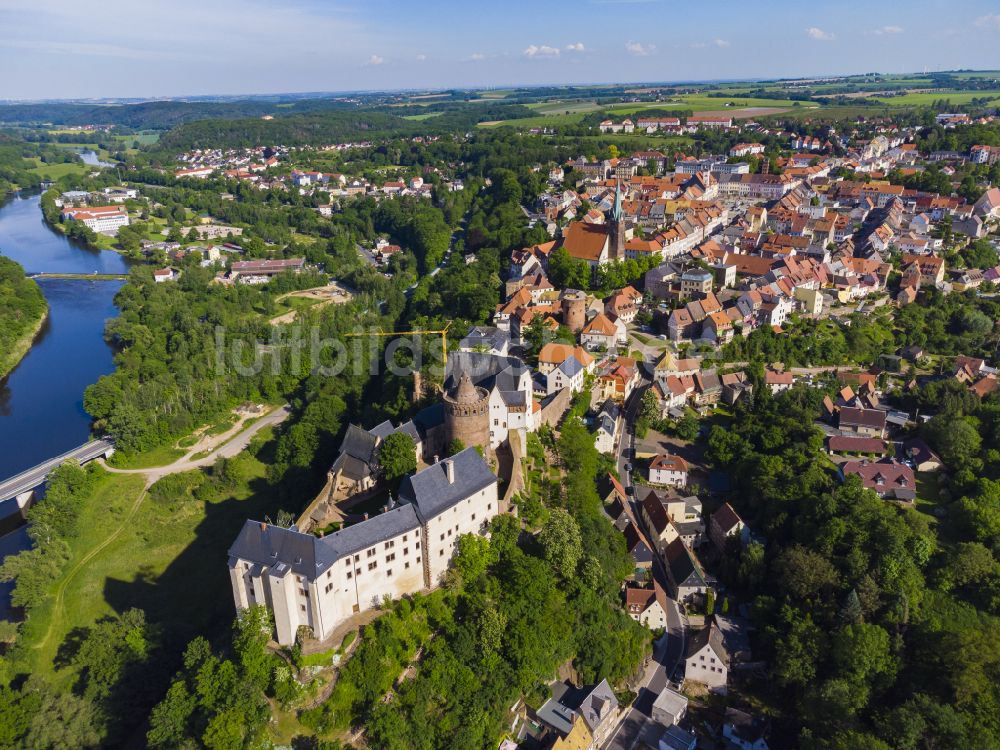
357	557
406	565
389	573
449	533
456	528
489	506
418	559
473	516
496	422
441	553
442	537
304	592
350	574
406	551
390	557
404	537
302	607
417	545
371	552
373	565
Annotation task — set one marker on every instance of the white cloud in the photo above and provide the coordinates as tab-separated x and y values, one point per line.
421	57
375	60
639	49
720	42
477	56
820	35
698	45
578	47
543	50
989	21
888	30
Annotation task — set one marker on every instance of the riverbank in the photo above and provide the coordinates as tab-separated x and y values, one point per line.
23	311
12	358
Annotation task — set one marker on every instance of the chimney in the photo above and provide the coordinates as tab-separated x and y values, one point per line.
449	467
263	526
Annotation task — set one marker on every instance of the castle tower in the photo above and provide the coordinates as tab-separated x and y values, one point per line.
574	309
616	226
467	414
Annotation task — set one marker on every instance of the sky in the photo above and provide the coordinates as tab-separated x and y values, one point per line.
144	48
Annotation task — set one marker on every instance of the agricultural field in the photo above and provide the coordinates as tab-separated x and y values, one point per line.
55	171
926	98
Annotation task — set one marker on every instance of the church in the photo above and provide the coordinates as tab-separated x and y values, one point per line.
597	244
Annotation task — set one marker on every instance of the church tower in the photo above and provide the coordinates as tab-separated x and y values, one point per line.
616	226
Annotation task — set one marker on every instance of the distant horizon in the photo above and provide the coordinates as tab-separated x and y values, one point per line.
111	100
147	50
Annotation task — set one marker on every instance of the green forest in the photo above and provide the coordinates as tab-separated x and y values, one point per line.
22	308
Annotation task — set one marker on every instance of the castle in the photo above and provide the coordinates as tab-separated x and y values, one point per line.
319	582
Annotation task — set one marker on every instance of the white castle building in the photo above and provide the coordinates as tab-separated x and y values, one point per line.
319	582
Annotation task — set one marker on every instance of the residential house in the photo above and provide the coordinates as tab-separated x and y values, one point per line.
668	469
726	524
600	333
888	478
596	705
778	381
647	605
864	422
609	422
684	572
707	661
744	732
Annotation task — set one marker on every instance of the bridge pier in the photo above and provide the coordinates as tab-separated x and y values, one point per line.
25	498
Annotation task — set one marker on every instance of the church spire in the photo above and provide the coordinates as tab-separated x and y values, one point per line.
616	212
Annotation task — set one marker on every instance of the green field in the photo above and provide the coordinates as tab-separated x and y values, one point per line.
167	558
917	99
424	116
55	171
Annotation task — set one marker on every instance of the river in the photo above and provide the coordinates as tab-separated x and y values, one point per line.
41	400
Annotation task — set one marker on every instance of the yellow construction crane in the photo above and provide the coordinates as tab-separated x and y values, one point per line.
443	333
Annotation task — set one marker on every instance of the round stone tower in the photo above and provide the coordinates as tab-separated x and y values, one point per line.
467	414
574	309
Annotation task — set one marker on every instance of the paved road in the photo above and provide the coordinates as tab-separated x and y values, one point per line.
668	651
34	476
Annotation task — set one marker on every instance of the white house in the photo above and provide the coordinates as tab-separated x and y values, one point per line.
599	333
569	374
707	660
668	469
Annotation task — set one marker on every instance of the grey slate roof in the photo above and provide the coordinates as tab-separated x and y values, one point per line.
377	529
571	366
308	556
270	545
432	493
487	336
482	369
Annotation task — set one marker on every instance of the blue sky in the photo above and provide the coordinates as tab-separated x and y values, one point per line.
110	48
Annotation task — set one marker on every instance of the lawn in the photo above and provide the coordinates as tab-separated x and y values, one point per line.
75	600
165	557
160	456
55	171
424	116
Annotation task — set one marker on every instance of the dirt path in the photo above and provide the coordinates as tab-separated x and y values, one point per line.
229	444
324	295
